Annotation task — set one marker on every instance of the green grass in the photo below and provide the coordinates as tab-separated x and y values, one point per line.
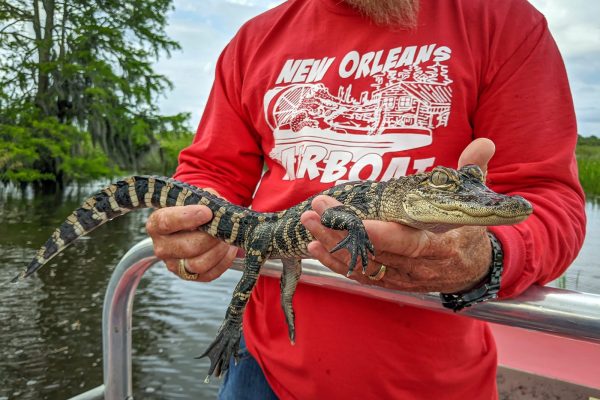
588	161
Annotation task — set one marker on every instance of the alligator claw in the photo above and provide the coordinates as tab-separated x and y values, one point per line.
358	244
225	346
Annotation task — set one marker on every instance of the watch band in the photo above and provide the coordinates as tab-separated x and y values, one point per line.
489	287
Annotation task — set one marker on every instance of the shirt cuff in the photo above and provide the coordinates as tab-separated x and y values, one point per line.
514	249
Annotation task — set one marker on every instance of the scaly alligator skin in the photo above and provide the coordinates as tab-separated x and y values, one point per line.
437	201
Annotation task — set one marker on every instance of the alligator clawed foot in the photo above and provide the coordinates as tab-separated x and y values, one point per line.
358	244
225	346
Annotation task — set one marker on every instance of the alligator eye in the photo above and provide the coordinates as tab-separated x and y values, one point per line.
440	178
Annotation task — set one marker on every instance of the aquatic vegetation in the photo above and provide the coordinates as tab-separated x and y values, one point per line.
588	161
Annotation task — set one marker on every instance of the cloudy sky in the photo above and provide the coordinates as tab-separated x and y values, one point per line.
203	28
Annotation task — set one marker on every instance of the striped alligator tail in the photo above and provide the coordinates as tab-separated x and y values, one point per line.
118	199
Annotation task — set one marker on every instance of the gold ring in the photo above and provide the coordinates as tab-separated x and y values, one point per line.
184	273
379	275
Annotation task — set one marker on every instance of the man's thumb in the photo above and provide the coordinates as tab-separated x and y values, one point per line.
478	152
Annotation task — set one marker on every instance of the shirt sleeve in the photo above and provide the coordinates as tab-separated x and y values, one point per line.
525	107
225	154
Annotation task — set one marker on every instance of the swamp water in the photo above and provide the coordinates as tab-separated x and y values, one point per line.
50	326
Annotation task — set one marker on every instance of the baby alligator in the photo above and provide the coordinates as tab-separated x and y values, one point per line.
437	201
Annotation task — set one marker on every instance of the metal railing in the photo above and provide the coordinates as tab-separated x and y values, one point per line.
560	312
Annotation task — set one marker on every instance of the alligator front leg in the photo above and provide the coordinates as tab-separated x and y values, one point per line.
292	269
227	342
357	242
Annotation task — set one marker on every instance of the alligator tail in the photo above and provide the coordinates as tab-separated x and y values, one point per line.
133	193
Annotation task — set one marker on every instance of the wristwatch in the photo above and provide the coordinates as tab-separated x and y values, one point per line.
486	290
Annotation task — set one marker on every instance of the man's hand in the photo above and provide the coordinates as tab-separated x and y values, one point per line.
175	236
416	260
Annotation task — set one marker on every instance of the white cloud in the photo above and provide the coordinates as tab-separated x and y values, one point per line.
574	25
241	2
203	29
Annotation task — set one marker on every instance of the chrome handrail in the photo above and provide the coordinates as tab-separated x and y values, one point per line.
117	316
562	312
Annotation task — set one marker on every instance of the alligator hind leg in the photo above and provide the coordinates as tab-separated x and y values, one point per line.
357	242
292	269
227	342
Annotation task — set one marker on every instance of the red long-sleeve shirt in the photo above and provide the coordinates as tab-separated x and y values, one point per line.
323	96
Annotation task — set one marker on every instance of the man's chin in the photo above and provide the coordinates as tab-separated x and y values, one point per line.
401	13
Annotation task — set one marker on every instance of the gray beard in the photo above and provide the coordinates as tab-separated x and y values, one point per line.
401	13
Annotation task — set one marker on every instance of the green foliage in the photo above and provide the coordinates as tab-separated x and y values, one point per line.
77	87
171	146
163	160
588	140
42	149
588	161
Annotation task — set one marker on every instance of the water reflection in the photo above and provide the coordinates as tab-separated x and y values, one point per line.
50	335
584	274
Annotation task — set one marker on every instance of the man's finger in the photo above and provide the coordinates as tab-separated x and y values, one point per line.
479	152
409	269
397	238
328	237
318	251
211	274
183	245
209	259
339	264
174	219
222	266
322	203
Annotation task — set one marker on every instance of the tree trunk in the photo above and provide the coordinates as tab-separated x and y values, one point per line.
64	104
44	44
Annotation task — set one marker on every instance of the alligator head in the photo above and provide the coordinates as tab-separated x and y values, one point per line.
445	198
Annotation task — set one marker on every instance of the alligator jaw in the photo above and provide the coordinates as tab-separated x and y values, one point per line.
511	210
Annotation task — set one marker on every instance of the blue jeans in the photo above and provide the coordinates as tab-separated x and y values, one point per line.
245	381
